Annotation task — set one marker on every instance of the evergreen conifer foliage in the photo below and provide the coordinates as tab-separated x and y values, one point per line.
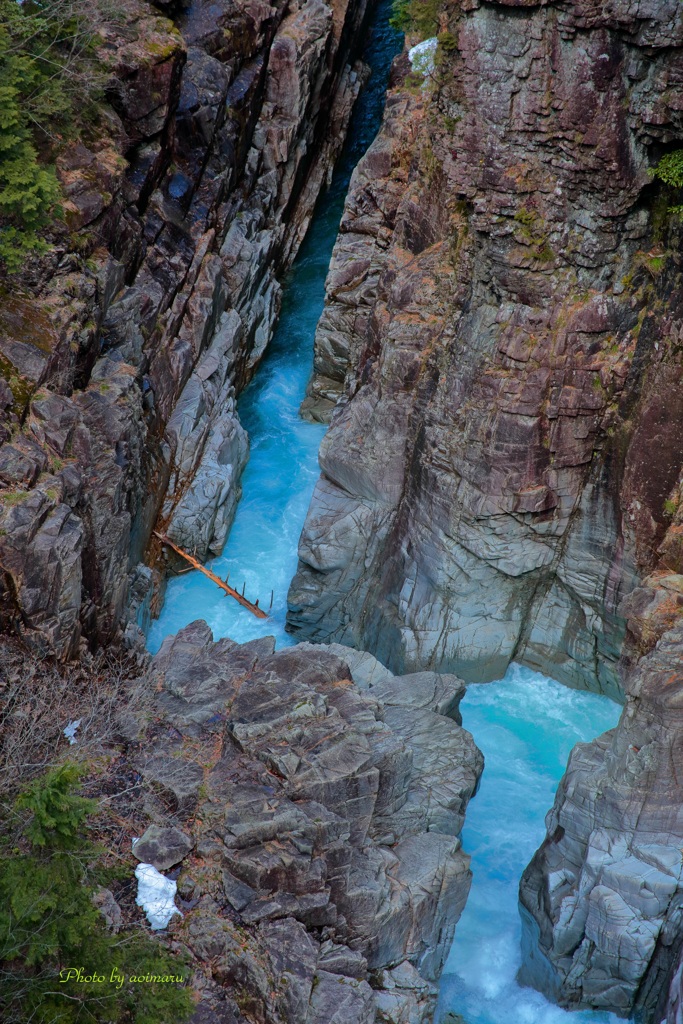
46	75
49	924
669	170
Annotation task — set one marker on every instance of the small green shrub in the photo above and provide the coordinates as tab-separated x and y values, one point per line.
450	123
447	42
12	498
47	85
670	169
28	192
653	262
413	81
419	16
49	924
544	252
526	218
532	230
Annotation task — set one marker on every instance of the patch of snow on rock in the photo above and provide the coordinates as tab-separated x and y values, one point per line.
421	56
155	895
70	731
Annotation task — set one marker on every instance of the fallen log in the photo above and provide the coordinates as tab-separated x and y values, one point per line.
253	608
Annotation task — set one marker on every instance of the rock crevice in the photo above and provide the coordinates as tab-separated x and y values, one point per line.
121	352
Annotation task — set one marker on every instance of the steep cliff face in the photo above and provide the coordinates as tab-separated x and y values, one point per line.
121	353
603	899
316	804
502	324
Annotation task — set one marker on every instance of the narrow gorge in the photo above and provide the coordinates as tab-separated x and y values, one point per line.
377	311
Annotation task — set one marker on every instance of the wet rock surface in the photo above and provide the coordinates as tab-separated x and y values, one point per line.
500	334
601	900
499	359
322	875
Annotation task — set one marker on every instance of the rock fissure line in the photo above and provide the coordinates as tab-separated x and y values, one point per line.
508	237
320	842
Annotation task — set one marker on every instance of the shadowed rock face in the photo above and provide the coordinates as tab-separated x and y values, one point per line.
324	805
502	325
125	355
602	899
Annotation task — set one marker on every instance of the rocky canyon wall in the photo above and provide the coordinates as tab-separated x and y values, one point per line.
602	900
500	359
502	336
122	351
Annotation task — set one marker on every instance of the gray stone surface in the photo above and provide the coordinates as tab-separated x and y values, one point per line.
155	307
163	848
602	898
432	691
109	909
480	338
210	448
325	823
405	997
673	1012
176	779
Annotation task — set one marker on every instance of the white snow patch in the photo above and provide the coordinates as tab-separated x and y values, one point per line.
155	895
70	730
421	56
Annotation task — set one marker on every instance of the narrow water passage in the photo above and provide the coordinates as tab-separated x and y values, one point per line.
525	725
283	465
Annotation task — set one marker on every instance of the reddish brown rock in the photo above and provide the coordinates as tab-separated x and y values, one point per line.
501	326
501	477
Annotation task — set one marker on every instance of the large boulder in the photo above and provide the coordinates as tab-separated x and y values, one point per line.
324	821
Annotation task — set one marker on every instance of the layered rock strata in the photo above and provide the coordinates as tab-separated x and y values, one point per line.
502	325
316	810
122	351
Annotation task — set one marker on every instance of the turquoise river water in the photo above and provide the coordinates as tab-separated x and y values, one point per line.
525	724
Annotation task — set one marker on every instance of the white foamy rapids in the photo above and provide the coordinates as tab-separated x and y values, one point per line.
525	726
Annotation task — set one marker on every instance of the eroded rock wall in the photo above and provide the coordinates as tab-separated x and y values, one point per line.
322	804
122	352
602	900
502	331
